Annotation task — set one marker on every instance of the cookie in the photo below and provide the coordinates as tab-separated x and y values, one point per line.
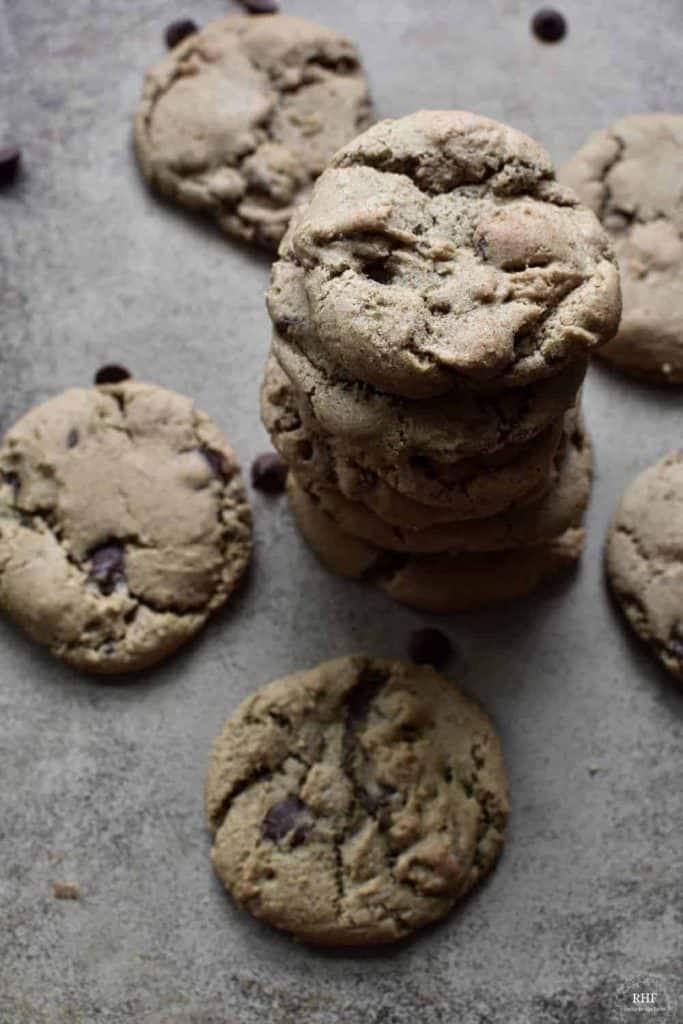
439	582
439	248
561	508
630	175
357	802
417	491
123	524
644	559
455	426
239	119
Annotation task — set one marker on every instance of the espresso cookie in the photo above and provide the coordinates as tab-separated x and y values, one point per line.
240	118
430	493
437	583
630	175
440	248
357	802
561	508
123	524
644	557
455	426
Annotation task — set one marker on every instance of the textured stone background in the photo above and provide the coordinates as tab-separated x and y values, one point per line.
100	784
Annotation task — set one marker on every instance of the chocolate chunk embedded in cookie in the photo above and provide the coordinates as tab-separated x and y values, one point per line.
356	802
123	524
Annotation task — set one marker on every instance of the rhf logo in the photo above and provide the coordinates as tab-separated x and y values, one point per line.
647	995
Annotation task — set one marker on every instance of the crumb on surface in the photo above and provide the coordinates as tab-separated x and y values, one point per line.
66	891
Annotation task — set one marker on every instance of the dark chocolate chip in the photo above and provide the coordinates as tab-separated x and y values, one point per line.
675	645
72	438
106	566
112	374
269	473
179	30
284	323
549	25
260	6
430	647
218	462
359	699
287	816
10	160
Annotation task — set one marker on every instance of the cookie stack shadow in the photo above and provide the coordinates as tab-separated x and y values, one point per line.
433	310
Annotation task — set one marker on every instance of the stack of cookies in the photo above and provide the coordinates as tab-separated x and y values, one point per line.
434	307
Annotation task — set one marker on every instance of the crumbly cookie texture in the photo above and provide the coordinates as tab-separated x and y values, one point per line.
123	524
356	802
431	492
561	508
240	118
440	248
630	175
644	559
446	583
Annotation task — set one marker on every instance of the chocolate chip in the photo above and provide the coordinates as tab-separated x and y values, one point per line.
106	566
72	438
675	644
359	699
269	473
111	374
430	647
549	25
283	324
260	6
10	160
218	462
179	30
284	818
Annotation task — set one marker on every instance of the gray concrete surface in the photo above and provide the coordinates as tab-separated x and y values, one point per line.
101	783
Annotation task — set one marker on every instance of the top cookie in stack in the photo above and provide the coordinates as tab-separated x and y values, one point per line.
434	307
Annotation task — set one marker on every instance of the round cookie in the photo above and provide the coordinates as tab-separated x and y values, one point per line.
630	175
443	583
123	524
644	559
440	248
356	802
561	508
454	426
239	119
431	492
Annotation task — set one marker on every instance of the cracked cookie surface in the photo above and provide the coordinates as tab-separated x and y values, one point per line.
240	118
356	802
439	248
443	583
644	559
630	175
123	524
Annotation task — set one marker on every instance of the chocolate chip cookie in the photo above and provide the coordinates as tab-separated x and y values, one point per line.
123	524
356	802
644	558
446	583
439	248
559	509
630	175
241	117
